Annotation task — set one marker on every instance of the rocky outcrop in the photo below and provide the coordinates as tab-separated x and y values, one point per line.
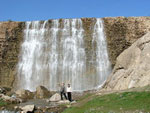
9	99
55	98
24	94
132	67
5	90
10	38
2	90
42	92
121	32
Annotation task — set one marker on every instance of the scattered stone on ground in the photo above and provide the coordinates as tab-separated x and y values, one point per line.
42	106
63	102
52	104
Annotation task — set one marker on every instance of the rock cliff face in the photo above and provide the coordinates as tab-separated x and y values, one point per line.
132	67
10	38
121	32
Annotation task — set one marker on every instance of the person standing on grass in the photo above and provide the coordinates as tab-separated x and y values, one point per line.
63	91
69	91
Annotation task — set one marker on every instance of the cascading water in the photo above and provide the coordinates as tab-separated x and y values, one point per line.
54	52
5	111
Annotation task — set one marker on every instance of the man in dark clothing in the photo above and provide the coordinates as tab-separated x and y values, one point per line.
63	91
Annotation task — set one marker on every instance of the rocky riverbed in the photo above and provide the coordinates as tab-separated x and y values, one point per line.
40	101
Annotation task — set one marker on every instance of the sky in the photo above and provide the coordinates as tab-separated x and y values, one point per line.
29	10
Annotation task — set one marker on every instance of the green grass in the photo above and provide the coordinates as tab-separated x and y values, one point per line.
85	97
127	101
2	103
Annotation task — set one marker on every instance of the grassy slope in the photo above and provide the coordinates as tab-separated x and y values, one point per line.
116	102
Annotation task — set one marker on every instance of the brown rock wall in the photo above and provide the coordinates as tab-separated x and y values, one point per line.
121	32
10	38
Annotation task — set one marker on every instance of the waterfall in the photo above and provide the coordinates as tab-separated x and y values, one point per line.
55	52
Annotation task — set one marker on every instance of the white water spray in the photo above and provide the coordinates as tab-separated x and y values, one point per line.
55	52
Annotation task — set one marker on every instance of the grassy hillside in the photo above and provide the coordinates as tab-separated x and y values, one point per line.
113	103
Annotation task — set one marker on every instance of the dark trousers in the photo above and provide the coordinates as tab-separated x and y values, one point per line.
69	96
61	94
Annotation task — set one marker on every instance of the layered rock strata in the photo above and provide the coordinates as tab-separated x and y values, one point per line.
10	37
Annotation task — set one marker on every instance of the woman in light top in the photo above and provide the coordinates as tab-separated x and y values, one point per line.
69	90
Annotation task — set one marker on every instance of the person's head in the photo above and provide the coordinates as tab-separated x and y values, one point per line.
63	84
68	85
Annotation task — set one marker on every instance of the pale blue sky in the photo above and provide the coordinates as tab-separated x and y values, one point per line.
24	10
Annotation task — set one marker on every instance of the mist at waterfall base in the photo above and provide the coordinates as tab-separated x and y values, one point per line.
57	51
5	111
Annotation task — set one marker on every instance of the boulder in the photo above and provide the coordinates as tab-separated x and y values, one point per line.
6	98
10	99
27	108
132	68
24	94
42	92
56	97
2	90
